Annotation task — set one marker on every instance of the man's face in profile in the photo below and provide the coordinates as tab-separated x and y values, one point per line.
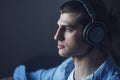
69	36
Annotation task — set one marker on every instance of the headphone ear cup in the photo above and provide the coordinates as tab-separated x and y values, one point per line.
94	33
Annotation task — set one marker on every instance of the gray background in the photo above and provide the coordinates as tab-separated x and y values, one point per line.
27	28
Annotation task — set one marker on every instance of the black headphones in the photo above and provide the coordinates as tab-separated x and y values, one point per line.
94	31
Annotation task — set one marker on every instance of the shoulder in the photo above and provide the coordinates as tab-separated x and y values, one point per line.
115	70
116	73
110	70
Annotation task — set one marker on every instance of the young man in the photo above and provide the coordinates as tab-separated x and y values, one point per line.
80	35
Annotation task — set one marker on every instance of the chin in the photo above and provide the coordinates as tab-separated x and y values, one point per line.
64	54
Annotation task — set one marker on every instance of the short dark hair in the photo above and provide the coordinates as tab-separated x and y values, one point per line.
76	6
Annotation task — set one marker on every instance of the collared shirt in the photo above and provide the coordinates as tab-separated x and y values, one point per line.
71	76
107	71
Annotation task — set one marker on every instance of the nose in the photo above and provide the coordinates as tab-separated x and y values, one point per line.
59	35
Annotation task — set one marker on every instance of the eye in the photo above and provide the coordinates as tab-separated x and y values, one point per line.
67	28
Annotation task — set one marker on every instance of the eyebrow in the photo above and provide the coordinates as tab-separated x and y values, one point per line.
71	26
66	25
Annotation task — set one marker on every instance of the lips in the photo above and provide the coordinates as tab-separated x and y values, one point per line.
60	46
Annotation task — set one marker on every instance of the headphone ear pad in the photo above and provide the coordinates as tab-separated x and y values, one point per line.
94	33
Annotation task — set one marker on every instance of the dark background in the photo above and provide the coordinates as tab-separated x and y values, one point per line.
27	28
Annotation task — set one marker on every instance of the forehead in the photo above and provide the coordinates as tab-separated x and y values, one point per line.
68	18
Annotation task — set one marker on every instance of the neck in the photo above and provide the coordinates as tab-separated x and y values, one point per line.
86	65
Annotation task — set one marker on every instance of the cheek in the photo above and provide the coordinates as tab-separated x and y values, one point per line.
73	41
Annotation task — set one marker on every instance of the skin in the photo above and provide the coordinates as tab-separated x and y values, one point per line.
71	44
69	36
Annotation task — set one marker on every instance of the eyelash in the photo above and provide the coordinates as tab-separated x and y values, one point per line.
68	29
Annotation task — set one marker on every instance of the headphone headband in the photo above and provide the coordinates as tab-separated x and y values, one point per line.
89	9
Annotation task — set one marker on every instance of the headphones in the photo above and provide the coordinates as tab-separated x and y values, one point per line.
94	31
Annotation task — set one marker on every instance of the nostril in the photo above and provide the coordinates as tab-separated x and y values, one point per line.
60	36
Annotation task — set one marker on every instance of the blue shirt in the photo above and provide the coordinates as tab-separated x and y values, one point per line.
107	71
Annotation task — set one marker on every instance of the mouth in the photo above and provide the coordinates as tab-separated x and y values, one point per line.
60	46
